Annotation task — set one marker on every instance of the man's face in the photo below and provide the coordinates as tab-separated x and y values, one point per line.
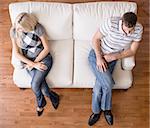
126	29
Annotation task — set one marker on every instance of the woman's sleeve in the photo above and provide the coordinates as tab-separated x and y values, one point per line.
40	30
12	32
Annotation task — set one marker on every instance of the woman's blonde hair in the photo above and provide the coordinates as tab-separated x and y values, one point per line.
26	21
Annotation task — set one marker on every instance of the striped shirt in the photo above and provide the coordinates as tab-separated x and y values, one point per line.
114	38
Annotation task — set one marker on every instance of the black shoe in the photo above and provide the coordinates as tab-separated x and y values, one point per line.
54	97
94	118
40	112
109	117
44	103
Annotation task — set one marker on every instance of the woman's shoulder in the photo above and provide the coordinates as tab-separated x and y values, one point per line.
39	29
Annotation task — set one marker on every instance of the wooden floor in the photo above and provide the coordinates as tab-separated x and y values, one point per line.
17	108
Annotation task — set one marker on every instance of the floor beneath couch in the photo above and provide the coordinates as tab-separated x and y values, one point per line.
17	108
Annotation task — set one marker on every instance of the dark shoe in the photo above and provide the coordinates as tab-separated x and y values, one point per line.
44	103
39	113
109	117
40	110
54	97
94	118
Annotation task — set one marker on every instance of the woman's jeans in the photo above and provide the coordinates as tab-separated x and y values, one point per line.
38	83
102	91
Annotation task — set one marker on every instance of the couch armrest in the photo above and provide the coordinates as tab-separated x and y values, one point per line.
128	63
16	62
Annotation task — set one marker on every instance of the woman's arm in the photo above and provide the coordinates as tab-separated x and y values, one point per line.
38	65
45	51
22	58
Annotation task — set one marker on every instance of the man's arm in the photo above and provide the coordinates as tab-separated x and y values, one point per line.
126	53
96	43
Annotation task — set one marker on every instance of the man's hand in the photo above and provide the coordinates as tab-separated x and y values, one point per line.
110	57
101	64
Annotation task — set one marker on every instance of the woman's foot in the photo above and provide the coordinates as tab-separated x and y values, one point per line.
39	111
54	97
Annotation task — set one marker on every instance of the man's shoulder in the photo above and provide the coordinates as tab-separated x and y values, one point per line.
138	26
115	20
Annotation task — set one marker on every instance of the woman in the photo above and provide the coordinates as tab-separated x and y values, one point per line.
31	47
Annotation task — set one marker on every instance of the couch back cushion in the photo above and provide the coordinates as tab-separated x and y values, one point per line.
55	17
88	16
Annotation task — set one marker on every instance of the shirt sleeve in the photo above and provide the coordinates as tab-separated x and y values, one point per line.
40	30
12	32
138	36
105	27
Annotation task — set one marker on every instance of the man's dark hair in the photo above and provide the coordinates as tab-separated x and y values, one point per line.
129	19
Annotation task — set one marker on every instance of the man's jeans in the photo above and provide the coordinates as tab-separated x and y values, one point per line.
102	91
38	83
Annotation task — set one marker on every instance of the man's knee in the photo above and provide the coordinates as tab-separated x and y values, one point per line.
107	88
96	92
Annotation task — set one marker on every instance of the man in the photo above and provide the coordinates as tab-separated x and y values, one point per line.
115	39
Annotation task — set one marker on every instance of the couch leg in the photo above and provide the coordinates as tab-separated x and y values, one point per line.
22	89
125	90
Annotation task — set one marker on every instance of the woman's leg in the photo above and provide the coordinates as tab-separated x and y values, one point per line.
37	79
54	97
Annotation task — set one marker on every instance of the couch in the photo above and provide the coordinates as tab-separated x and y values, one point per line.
70	28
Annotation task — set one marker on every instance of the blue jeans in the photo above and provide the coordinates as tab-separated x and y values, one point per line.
102	91
38	83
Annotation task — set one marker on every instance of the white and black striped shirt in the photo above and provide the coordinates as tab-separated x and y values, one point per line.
114	38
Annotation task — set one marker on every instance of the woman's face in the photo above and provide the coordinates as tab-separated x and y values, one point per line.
20	28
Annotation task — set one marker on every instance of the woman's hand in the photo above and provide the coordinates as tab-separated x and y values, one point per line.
101	64
29	67
40	66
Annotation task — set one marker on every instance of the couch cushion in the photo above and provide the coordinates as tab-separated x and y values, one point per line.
61	73
62	69
55	17
84	77
88	16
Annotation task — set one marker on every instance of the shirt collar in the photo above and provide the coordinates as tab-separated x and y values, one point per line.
120	27
121	30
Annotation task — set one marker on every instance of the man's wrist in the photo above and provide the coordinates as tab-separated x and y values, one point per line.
118	55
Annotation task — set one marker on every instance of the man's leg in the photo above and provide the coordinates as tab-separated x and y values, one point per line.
96	98
105	81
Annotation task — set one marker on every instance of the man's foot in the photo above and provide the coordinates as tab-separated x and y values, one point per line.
94	118
109	117
54	97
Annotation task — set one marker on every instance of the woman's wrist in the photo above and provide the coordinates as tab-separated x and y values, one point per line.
32	64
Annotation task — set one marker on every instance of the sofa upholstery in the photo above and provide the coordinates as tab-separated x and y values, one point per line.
70	28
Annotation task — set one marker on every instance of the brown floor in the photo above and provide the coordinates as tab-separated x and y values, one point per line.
17	108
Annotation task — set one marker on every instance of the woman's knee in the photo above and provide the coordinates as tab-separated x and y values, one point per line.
48	61
35	85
